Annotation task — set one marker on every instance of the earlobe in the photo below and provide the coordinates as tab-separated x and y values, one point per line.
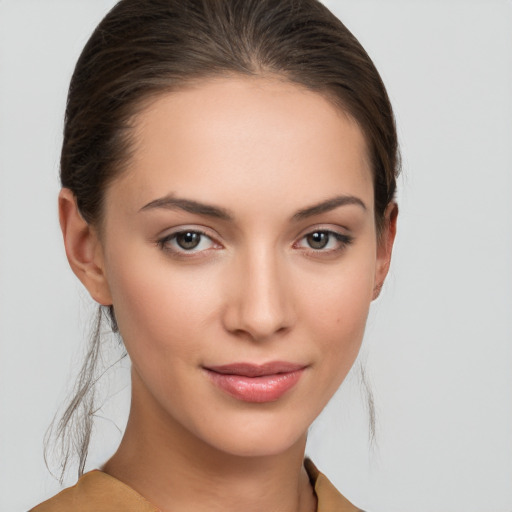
385	247
83	248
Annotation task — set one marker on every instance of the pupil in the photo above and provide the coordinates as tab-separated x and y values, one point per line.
188	240
318	240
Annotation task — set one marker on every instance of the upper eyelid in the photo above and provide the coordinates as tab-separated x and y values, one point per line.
327	228
174	234
203	230
328	231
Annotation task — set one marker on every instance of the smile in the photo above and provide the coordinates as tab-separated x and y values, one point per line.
256	383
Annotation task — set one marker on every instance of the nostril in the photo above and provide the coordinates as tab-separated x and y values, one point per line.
257	327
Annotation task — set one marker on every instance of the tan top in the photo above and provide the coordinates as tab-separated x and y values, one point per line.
98	492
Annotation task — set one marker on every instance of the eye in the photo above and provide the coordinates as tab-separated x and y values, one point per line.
187	241
318	239
324	241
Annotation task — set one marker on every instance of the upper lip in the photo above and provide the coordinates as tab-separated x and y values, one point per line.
256	370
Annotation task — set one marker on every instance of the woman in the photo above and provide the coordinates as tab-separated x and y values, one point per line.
228	173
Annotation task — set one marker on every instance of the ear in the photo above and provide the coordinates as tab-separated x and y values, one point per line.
83	248
385	247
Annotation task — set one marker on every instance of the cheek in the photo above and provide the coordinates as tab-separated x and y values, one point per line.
337	313
159	310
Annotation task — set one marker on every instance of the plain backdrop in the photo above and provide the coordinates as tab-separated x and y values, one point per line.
438	348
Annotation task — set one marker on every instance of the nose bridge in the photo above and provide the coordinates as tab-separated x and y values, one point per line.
262	305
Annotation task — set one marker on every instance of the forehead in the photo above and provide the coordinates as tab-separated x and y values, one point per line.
242	139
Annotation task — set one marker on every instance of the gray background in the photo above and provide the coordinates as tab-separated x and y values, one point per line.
438	348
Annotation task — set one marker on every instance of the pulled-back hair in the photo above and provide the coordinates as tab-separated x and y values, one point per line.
144	48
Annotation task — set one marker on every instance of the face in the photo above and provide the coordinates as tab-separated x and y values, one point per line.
240	254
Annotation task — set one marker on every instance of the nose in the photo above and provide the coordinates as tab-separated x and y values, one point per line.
260	302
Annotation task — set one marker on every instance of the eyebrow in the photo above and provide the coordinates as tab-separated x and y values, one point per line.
327	206
172	203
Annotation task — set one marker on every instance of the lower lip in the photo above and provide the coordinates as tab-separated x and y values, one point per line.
267	388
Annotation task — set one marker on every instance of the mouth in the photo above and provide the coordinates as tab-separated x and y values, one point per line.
256	383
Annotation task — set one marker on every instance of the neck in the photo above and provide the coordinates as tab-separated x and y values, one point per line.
175	470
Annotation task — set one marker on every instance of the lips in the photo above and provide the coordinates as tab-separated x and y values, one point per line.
256	383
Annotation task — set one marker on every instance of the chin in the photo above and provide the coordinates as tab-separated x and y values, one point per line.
262	447
256	437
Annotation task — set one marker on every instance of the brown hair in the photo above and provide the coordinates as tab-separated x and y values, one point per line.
146	47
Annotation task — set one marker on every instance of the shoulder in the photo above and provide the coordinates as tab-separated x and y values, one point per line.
96	492
329	498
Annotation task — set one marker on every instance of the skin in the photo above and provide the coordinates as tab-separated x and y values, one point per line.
254	290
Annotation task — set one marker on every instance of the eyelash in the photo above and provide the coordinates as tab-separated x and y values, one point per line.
342	240
164	243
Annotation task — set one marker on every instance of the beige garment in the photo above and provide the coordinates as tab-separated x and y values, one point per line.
98	492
